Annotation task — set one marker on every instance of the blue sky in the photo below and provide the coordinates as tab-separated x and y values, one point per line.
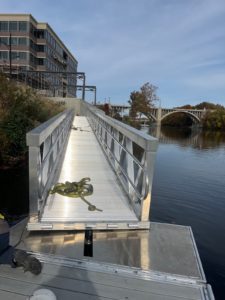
177	45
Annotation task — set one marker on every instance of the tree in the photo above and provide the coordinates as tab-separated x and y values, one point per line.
21	109
215	120
208	105
143	101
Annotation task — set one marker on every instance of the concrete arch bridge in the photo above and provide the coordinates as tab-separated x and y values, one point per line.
158	114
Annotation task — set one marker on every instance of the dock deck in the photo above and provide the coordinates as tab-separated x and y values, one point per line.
160	264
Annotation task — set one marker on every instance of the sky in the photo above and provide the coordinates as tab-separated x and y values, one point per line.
176	45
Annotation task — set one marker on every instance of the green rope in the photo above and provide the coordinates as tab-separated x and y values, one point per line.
75	189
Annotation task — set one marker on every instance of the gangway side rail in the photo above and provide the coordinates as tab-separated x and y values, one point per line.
46	144
131	153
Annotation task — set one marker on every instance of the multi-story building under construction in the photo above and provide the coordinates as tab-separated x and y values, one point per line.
29	50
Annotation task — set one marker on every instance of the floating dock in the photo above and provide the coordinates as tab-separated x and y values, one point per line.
160	264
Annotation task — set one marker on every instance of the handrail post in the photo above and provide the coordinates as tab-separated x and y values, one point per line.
34	166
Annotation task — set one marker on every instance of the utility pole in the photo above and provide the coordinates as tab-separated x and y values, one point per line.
10	55
95	90
83	90
9	45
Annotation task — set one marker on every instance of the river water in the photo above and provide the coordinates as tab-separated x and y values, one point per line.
189	189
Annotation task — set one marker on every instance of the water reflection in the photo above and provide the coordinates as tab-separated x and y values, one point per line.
186	137
14	191
188	189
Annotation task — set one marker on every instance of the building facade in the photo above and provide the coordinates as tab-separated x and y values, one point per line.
30	47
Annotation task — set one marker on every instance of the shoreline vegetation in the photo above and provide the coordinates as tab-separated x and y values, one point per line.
142	101
214	119
21	109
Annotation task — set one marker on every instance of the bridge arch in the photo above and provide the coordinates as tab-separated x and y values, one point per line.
192	115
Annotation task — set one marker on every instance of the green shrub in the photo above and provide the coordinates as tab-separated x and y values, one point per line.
21	109
215	120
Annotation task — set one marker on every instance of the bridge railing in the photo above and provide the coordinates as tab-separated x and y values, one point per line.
46	145
131	154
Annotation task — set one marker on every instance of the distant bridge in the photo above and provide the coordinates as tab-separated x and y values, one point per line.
158	114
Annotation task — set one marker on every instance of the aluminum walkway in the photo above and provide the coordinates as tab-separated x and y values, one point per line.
117	158
85	158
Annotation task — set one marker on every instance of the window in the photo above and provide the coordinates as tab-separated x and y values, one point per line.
3	55
65	56
40	48
12	26
48	50
33	45
46	35
33	59
41	61
23	55
32	29
39	34
46	63
23	26
4	26
23	41
4	41
53	43
14	41
15	55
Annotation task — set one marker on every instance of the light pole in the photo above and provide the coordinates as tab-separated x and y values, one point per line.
10	53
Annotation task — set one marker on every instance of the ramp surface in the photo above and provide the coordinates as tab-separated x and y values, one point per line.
85	158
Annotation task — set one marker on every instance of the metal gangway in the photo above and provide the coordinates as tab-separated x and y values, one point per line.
83	142
159	264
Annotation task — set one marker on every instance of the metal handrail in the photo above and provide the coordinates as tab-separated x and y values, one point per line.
46	145
135	175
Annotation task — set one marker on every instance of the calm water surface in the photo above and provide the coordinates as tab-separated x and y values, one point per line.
189	189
